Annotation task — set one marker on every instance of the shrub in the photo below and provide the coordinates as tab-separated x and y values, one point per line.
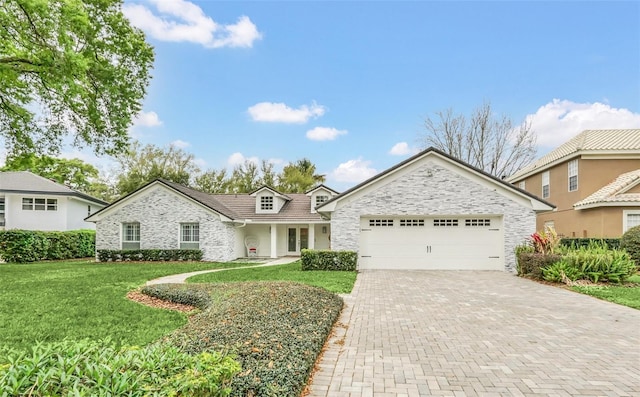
630	242
546	241
275	329
190	295
149	255
584	242
86	368
22	246
559	270
328	260
597	263
531	263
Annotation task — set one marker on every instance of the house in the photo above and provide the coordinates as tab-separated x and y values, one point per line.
593	180
431	211
167	215
29	201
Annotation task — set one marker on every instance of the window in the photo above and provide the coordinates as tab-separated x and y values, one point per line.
522	185
189	236
52	204
630	218
445	222
380	222
411	222
321	199
573	175
131	236
545	184
27	204
266	202
1	211
477	222
88	210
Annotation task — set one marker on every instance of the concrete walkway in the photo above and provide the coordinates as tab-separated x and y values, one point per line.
181	278
421	333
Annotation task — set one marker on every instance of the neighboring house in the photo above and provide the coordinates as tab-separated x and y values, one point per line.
166	215
428	212
593	180
29	201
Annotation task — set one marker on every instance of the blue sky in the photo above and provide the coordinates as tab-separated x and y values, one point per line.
344	82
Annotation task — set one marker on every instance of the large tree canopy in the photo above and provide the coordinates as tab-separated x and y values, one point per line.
489	142
69	67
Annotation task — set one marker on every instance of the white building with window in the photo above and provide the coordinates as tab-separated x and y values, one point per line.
31	202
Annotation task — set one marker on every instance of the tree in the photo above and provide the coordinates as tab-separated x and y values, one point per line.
69	67
484	140
299	177
213	181
245	178
74	173
142	164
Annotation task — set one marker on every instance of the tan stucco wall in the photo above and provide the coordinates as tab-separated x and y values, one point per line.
593	174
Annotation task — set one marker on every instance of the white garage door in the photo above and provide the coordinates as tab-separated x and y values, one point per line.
445	242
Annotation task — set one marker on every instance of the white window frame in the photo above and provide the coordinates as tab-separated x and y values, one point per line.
522	185
321	198
545	182
266	203
27	204
189	235
572	170
625	220
52	204
135	233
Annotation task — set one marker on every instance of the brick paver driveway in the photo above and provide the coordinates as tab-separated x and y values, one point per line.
418	333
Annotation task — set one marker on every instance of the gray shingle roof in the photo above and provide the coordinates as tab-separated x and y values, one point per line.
28	182
618	141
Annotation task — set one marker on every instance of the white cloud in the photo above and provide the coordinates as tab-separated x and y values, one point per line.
238	158
560	120
180	144
353	171
324	133
402	149
147	119
181	20
281	113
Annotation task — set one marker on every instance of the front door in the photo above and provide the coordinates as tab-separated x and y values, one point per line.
297	239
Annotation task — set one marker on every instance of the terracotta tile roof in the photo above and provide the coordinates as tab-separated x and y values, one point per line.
614	192
618	141
30	183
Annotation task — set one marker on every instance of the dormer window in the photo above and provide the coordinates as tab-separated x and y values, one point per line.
266	203
321	199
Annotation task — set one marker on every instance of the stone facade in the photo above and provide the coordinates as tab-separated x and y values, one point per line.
432	189
160	213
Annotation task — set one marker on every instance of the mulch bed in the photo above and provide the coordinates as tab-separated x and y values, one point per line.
146	300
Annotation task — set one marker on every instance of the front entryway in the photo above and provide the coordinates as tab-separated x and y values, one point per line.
297	240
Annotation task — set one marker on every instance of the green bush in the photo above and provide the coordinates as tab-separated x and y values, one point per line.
559	270
22	246
149	255
86	368
585	242
630	242
275	329
531	263
191	295
328	260
597	263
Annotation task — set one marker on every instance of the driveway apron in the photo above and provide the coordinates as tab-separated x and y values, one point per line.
468	333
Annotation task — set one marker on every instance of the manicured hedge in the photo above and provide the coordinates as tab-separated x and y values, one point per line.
152	255
584	242
276	330
88	369
22	246
329	260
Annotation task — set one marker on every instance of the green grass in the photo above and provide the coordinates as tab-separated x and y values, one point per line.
50	301
627	295
333	281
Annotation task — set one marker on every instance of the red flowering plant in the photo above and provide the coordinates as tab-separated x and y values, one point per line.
546	241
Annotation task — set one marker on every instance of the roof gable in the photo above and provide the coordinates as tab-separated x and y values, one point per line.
588	141
471	171
319	187
269	189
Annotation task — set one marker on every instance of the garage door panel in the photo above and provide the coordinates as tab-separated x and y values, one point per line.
432	244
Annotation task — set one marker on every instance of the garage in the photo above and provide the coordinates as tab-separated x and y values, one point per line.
431	243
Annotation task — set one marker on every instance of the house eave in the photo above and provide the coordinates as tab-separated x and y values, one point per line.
606	204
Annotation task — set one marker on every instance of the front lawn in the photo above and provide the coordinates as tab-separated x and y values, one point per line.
628	295
340	282
50	301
